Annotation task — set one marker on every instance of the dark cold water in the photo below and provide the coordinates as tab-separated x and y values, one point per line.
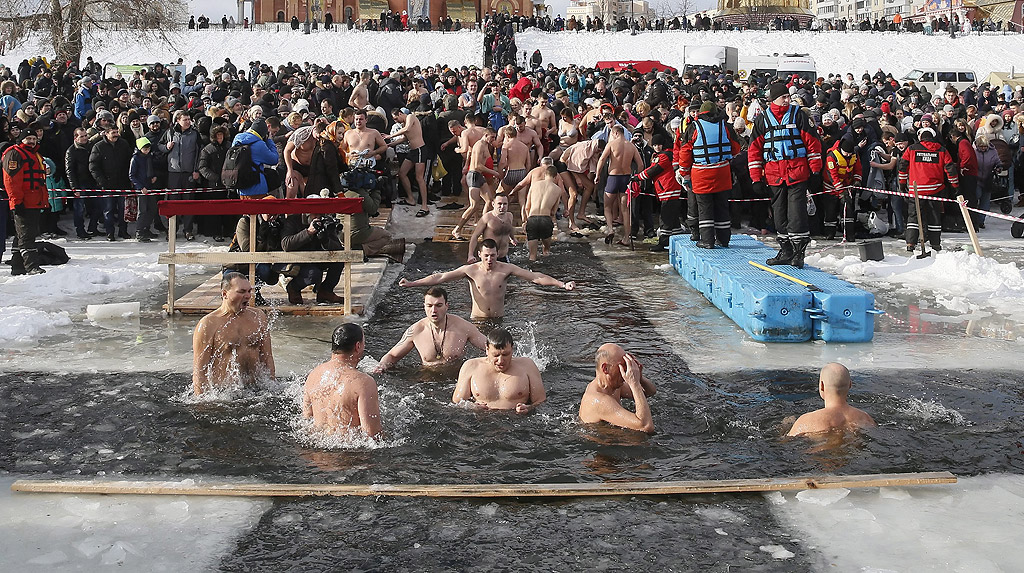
726	426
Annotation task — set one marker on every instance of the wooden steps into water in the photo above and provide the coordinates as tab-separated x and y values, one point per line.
556	490
365	277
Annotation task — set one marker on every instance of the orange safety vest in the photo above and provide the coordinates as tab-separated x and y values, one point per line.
25	178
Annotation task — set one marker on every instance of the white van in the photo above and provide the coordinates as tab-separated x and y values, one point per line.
936	79
782	66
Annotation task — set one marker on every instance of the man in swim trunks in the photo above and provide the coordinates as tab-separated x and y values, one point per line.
361	142
416	159
834	387
298	156
619	376
541	203
581	164
477	168
496	225
514	163
231	345
621	154
440	338
337	396
488	280
500	381
360	97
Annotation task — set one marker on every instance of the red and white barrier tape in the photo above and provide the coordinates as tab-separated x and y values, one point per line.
88	193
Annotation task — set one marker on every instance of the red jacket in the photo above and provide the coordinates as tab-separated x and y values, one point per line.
777	172
926	166
840	171
660	171
707	178
521	90
25	177
968	158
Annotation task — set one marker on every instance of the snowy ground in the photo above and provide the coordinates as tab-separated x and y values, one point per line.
836	52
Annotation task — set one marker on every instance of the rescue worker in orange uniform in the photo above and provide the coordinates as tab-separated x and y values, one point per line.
25	181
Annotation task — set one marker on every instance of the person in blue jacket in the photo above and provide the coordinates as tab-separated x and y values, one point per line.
263	152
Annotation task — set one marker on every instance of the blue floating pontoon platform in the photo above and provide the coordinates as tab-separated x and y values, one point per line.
768	307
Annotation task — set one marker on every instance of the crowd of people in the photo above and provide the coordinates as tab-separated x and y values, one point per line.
655	153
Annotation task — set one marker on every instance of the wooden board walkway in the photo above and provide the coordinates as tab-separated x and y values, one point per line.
365	278
446	221
240	489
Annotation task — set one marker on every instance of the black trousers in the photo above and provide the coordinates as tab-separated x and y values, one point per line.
670	211
713	217
834	206
931	216
789	209
26	231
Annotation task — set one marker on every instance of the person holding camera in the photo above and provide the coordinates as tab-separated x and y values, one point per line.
313	233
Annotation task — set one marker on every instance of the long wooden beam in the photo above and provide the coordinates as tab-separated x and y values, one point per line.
240	489
226	258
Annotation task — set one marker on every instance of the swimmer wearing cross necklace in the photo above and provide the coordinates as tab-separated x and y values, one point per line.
455	333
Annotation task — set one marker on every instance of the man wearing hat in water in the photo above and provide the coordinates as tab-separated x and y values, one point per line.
618	375
834	388
500	381
231	345
337	396
785	153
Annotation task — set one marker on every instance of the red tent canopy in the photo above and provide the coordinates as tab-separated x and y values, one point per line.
642	66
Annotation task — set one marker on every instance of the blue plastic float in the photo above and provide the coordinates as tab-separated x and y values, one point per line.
768	307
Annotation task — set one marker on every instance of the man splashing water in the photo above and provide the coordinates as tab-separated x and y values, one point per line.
231	345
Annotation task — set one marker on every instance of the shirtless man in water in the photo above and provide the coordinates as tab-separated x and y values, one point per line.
231	345
541	203
619	376
337	396
488	280
833	387
496	225
415	160
621	154
500	381
439	338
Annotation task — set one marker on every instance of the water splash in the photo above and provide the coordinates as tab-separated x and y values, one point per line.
527	346
931	411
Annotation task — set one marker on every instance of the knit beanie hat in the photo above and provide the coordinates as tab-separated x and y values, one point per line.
776	91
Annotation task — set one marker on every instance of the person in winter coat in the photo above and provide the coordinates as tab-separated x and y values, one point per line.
141	174
181	145
211	162
76	164
54	185
25	183
667	187
924	169
987	163
785	154
264	154
705	154
842	170
109	163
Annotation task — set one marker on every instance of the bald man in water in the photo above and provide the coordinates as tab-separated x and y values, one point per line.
231	345
833	387
500	381
618	375
337	396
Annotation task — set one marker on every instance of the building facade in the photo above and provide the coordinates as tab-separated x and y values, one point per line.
608	10
761	12
359	10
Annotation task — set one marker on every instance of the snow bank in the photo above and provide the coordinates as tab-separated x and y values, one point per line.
833	52
21	325
104	533
349	49
960	281
961	527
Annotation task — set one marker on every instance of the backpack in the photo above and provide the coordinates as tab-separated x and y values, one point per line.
239	172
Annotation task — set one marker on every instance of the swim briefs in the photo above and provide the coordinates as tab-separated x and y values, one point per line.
514	177
616	184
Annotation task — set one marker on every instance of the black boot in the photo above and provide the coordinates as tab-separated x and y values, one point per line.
662	245
799	248
785	254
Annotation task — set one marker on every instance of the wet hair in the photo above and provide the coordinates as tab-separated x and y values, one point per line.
437	292
487	244
499	338
228	278
345	338
551	171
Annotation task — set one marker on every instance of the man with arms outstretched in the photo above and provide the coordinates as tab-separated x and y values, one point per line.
488	280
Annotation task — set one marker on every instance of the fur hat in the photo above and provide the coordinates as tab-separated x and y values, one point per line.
926	134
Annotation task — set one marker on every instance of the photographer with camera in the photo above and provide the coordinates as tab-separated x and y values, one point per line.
313	233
